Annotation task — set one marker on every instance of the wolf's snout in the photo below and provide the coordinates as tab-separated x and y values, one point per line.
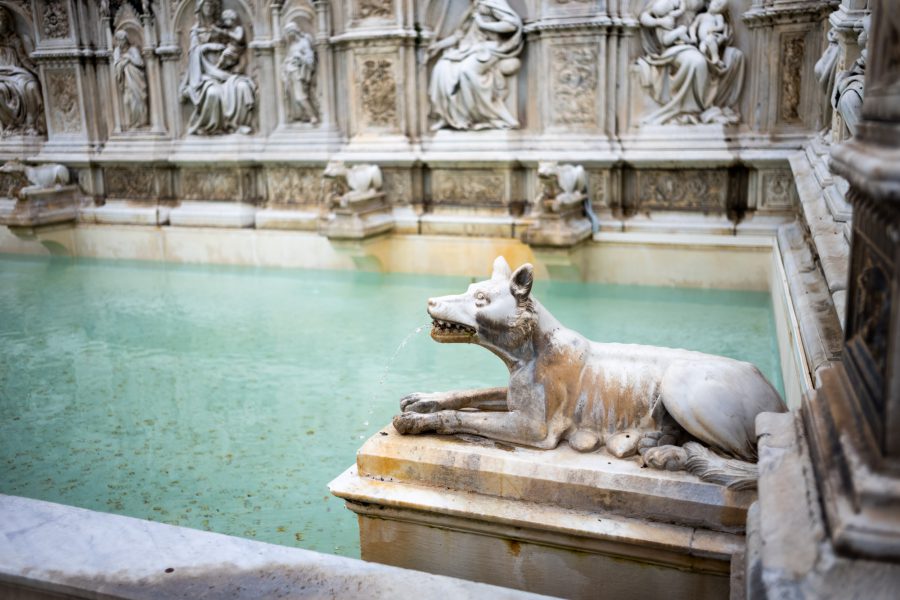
432	304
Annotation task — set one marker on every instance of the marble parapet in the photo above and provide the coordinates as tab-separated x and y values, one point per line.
53	551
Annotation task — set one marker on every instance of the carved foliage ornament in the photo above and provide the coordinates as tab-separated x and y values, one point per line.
682	189
63	91
55	18
792	49
575	85
378	91
374	8
129	183
468	187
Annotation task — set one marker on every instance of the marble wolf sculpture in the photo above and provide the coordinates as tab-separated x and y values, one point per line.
681	410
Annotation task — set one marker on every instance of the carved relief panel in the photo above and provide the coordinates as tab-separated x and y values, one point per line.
373	9
777	190
216	184
469	187
54	19
65	104
21	98
289	185
793	46
376	85
690	189
131	183
574	85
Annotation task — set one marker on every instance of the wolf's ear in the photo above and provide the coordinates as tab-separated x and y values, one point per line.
501	269
521	281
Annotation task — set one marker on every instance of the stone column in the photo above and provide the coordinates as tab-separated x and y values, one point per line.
154	73
828	519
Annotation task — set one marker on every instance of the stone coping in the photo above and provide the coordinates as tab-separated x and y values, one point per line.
48	550
562	478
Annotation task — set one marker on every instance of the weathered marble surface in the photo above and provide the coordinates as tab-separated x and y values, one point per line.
51	548
563	523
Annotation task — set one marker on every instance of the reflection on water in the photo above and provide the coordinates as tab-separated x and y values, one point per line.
226	399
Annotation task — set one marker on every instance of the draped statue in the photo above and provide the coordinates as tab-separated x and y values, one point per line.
848	94
215	83
132	82
468	85
297	72
689	66
21	103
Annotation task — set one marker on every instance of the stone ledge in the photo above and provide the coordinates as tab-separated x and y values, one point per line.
51	550
562	478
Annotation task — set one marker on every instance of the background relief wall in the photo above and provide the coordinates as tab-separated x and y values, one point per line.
156	102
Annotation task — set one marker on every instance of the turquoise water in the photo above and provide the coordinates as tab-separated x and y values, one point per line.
226	399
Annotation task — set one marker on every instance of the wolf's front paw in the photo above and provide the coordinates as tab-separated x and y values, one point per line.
420	402
670	458
411	423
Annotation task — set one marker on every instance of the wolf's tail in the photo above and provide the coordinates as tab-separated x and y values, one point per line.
707	465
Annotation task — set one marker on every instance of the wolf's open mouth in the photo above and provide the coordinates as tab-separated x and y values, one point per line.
449	328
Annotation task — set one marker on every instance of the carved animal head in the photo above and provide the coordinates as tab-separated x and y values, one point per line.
13	166
498	313
335	169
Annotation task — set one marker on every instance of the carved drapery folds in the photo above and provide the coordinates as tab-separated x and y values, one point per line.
21	102
848	93
689	66
215	82
130	71
468	86
298	71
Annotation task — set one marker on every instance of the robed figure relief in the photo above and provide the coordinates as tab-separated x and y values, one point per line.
21	103
469	84
131	79
689	66
215	82
297	72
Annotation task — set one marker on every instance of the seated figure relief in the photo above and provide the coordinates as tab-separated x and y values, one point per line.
215	83
297	72
21	102
468	86
681	410
689	67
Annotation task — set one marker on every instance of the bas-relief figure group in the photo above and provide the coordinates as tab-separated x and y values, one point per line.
689	66
21	102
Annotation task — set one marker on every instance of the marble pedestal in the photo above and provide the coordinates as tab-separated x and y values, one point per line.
554	522
40	207
563	229
360	219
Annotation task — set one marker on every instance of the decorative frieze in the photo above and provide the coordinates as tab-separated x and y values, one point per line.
574	84
683	189
65	113
129	183
286	185
473	187
211	184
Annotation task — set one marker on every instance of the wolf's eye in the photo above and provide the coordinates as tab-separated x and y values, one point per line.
480	297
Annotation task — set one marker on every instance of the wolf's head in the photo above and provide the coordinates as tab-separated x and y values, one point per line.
497	313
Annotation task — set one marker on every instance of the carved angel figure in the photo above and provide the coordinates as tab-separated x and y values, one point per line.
468	84
688	65
132	82
215	83
21	103
297	72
